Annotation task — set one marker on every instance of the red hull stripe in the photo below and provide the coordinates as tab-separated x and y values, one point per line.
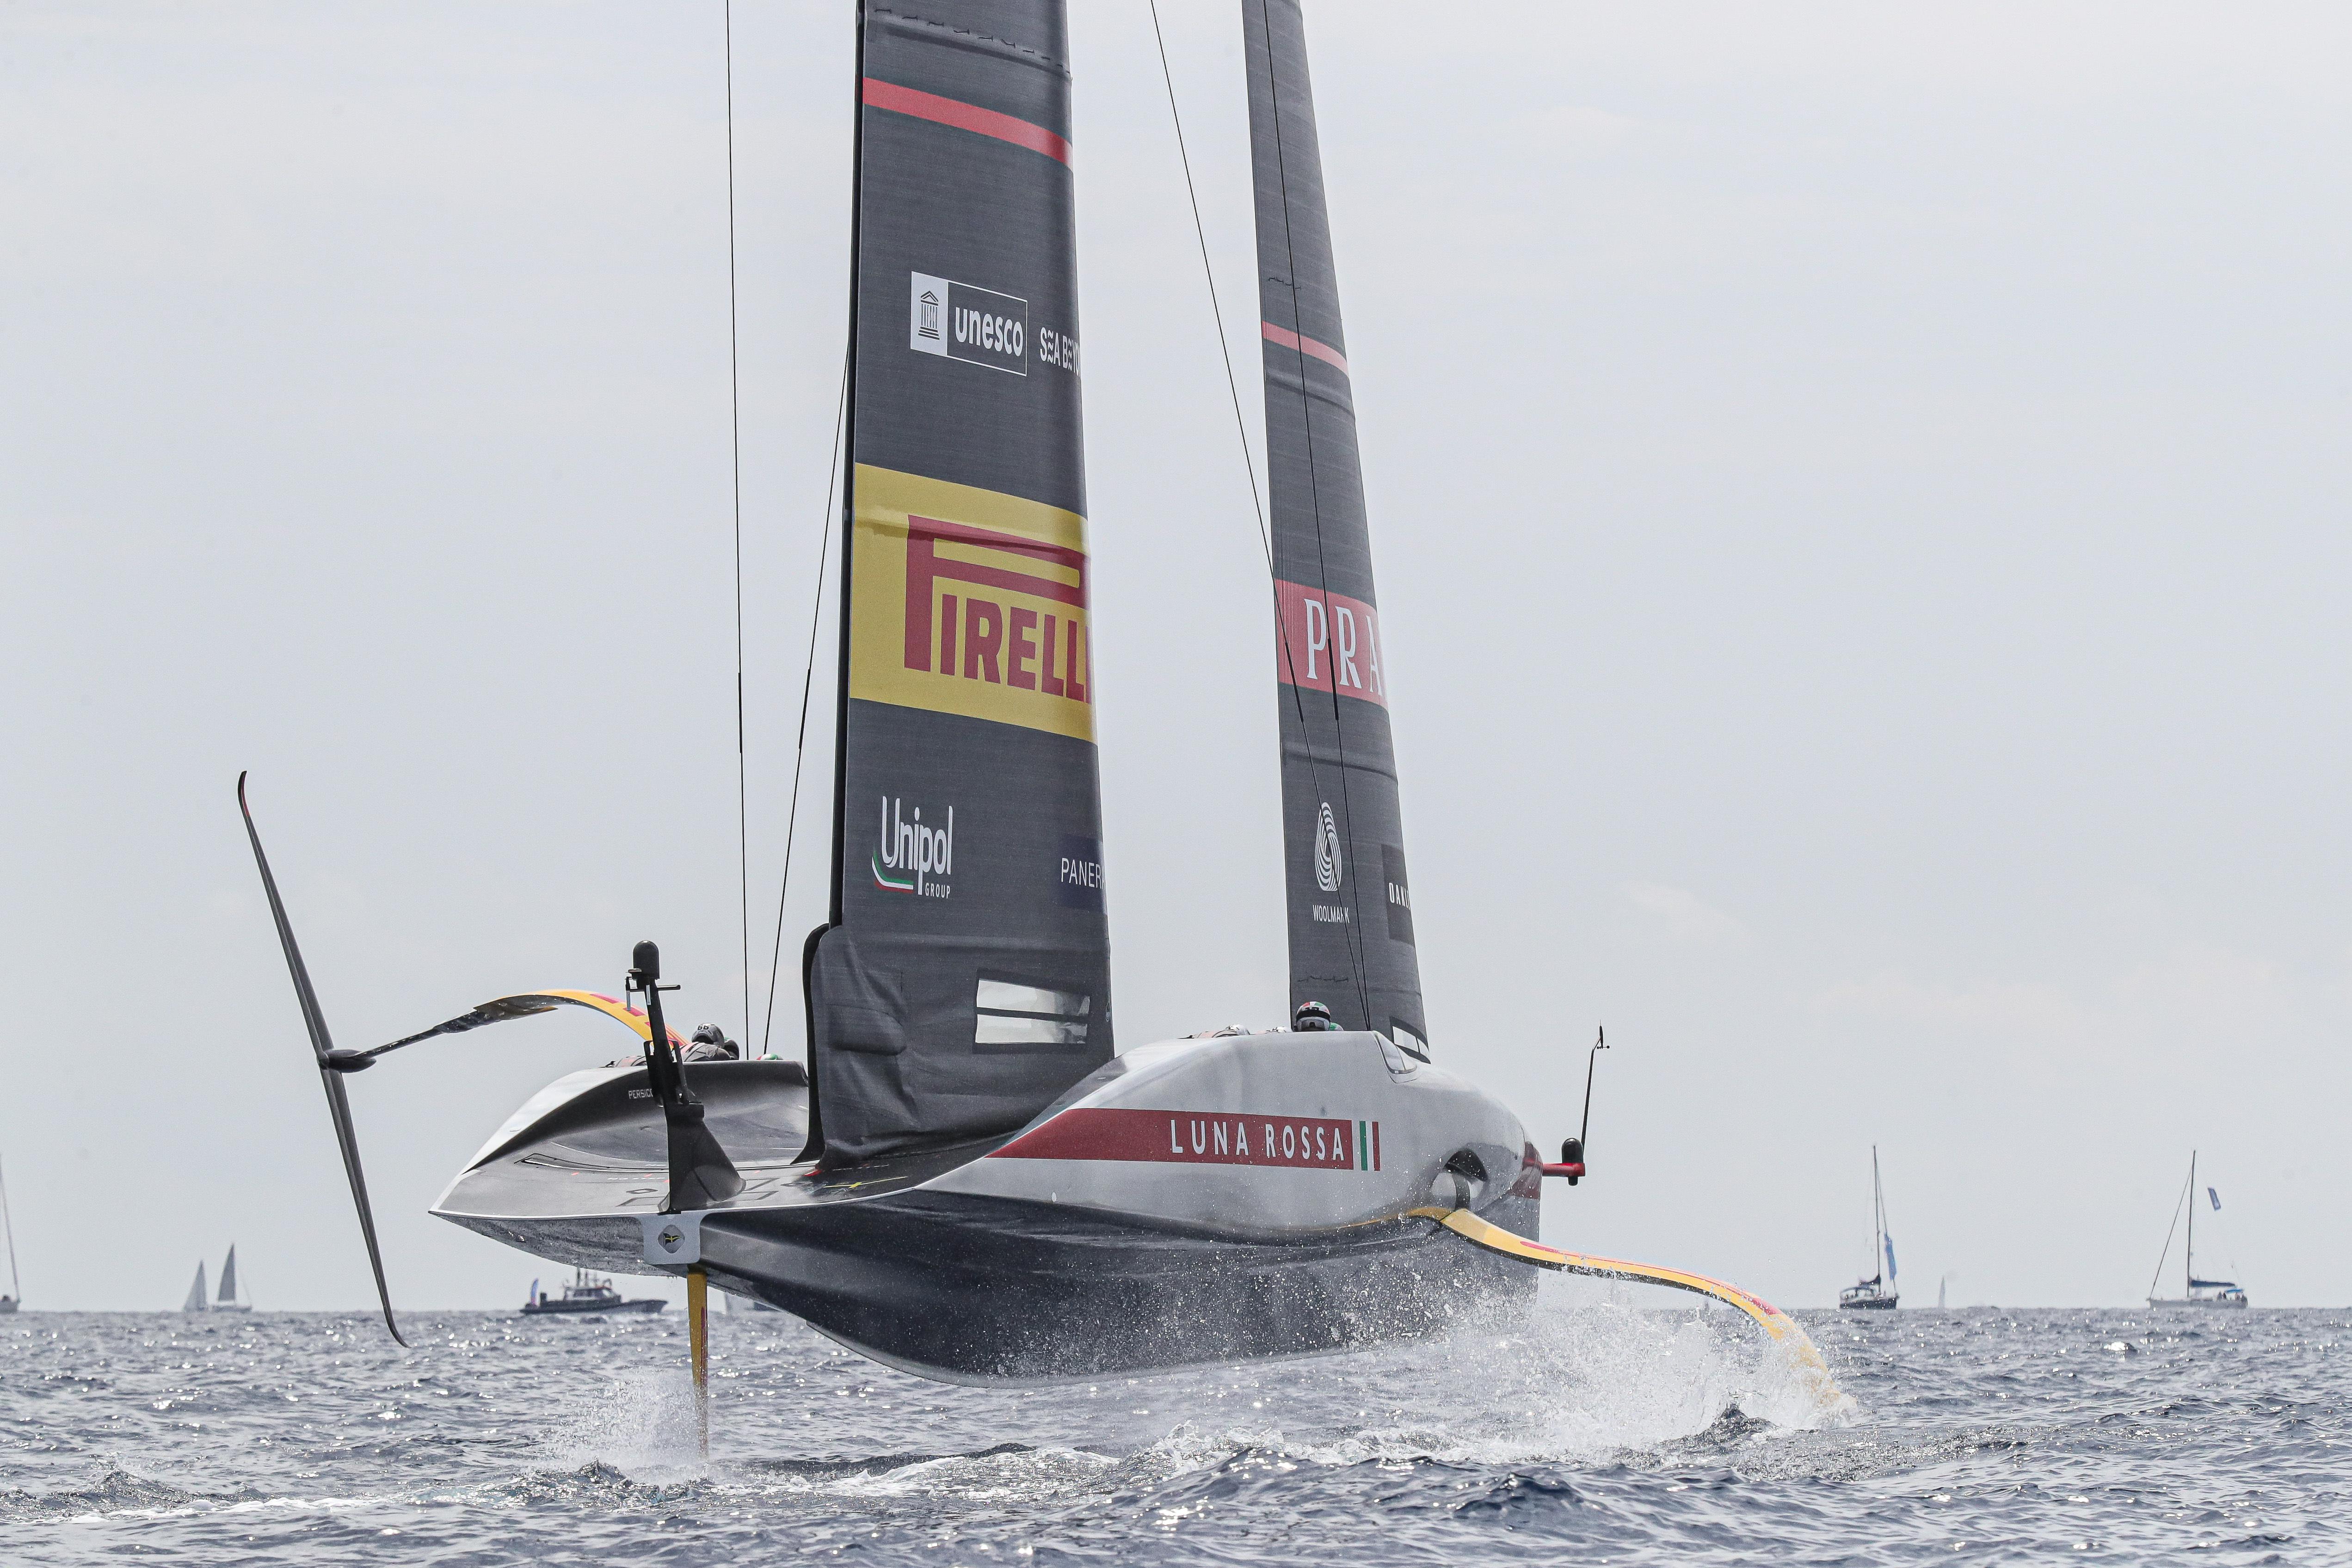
1305	345
966	117
1192	1137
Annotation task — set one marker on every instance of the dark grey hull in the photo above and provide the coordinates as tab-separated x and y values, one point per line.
993	1291
1010	1292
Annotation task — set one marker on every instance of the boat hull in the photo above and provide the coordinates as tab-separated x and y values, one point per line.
593	1308
1154	1221
2201	1304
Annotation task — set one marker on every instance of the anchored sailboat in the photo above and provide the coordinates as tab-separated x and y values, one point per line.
967	1180
2195	1293
1876	1293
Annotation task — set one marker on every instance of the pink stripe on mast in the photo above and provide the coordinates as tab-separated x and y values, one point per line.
1305	345
966	117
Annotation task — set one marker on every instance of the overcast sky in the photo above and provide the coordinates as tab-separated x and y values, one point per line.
1858	498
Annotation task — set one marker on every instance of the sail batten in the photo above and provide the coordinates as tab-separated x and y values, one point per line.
1352	943
967	856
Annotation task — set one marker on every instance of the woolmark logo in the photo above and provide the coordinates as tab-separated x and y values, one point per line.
911	856
958	322
1330	871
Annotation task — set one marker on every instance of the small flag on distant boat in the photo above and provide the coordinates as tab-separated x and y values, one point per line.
2216	1198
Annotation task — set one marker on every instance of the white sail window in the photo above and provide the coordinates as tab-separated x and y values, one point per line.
1012	1013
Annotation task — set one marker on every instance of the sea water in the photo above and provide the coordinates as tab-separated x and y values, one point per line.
1583	1433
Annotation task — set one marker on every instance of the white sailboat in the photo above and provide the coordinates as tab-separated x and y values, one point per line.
16	1296
2195	1293
1877	1293
200	1300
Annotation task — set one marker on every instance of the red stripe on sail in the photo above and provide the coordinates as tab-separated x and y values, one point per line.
966	117
1304	344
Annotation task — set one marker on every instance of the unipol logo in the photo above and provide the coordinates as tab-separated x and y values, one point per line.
1330	642
1329	869
958	322
913	856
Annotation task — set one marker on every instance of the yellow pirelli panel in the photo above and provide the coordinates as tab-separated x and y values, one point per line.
969	601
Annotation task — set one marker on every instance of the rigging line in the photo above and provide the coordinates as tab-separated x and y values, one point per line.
1201	236
1314	486
735	443
799	746
2169	1231
1241	429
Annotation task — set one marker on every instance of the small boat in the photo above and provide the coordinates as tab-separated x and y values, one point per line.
586	1293
1877	1293
200	1300
2195	1293
16	1296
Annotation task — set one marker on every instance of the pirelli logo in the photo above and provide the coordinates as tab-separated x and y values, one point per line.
969	601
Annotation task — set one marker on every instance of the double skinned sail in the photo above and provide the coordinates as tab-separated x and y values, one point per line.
1351	938
964	981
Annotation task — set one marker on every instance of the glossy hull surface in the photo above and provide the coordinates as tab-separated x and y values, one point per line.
1192	1202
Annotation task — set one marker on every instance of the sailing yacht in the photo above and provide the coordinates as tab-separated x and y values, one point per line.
971	1176
228	1301
1875	1292
16	1296
2195	1293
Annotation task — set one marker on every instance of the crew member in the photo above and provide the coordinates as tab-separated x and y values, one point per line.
1312	1016
711	1044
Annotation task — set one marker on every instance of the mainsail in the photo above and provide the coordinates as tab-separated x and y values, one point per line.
1351	939
228	1277
196	1301
964	980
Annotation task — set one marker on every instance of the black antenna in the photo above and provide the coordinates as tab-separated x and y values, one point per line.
1571	1150
1592	1059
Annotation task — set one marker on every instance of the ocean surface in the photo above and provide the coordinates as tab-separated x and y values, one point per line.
1585	1434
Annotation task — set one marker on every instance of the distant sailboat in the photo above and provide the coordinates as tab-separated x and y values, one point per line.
9	1302
227	1302
201	1301
1878	1292
2197	1292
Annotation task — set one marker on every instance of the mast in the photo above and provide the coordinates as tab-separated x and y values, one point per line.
963	978
1350	900
1878	1219
2188	1253
15	1286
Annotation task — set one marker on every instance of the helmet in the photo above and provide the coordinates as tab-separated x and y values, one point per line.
710	1034
1312	1015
